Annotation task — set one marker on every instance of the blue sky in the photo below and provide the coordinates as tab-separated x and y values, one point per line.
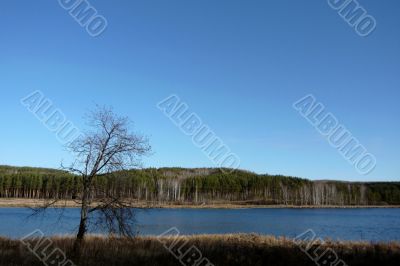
239	65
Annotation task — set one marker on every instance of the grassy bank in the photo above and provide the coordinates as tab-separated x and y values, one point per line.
32	203
218	249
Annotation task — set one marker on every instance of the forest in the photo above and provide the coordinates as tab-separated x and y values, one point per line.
197	186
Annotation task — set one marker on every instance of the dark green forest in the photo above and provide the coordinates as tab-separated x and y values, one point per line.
197	186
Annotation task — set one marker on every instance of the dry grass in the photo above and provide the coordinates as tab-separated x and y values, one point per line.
237	249
15	202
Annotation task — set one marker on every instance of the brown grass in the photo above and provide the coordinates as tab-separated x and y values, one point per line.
236	249
15	202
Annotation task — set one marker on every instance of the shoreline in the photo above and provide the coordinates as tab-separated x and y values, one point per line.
233	250
32	203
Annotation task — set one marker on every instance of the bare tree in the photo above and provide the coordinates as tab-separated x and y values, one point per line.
106	149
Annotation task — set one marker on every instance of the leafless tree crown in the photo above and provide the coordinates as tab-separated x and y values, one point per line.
108	146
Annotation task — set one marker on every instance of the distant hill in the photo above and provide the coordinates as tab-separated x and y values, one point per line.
198	186
6	169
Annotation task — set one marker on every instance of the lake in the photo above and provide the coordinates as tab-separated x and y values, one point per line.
337	224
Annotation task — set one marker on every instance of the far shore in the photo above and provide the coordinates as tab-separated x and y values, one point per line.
32	203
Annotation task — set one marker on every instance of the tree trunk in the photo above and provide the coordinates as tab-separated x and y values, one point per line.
84	216
82	225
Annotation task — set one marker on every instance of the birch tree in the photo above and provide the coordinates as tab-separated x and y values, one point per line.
105	149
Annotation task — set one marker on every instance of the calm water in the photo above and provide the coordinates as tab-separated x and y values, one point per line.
345	224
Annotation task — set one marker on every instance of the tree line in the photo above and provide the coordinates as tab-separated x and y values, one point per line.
196	186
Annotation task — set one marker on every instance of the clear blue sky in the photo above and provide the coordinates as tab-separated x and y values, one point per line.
238	64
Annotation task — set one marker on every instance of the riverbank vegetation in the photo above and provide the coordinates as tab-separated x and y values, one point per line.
217	249
197	186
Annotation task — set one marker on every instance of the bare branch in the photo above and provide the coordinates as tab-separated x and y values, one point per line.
108	147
